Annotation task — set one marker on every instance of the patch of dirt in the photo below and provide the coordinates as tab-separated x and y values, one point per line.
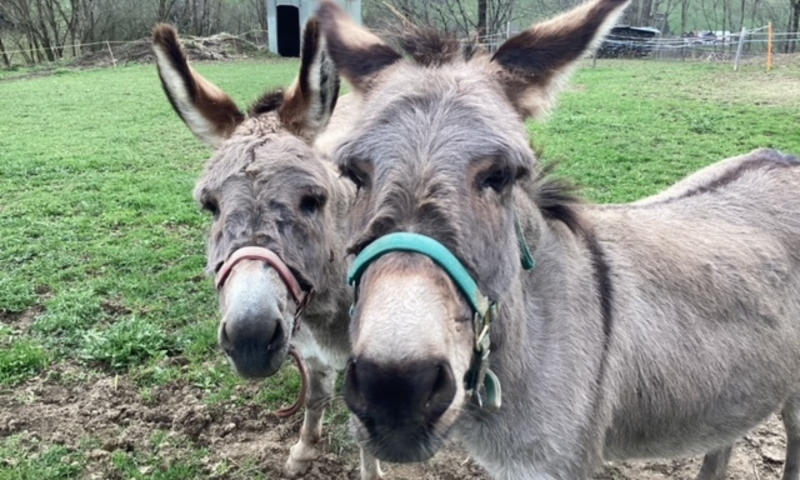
21	322
57	410
221	46
115	308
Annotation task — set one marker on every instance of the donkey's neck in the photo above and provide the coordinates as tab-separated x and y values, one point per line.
327	315
533	347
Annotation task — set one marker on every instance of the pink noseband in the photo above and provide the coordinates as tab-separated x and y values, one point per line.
300	297
273	260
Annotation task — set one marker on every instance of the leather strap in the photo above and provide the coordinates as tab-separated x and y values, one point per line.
270	258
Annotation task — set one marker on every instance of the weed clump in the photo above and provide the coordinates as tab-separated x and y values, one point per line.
126	343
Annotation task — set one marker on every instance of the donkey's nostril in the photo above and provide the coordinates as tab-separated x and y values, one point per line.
277	337
442	393
224	339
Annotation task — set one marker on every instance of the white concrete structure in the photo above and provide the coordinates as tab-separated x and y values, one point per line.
286	18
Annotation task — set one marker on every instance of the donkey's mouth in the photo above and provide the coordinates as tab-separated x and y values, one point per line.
400	446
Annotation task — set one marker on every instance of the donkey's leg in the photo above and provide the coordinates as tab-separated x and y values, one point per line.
715	464
320	393
370	467
791	421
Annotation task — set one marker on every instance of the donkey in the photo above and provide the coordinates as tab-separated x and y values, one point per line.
545	334
278	204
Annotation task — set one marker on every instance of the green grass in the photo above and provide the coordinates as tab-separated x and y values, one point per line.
96	174
142	467
629	129
126	343
20	359
21	461
102	248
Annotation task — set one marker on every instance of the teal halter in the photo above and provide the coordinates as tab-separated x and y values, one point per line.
414	242
484	310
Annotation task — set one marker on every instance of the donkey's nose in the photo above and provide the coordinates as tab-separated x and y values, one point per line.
254	345
252	334
399	401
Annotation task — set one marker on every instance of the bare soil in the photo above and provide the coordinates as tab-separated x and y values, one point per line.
64	408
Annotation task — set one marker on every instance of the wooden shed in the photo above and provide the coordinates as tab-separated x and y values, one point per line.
286	18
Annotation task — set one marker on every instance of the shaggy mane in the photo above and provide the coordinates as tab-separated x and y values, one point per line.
557	198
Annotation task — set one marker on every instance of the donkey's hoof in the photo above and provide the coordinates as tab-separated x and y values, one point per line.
300	457
372	475
372	472
296	468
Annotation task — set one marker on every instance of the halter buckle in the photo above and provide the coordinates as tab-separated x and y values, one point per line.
480	379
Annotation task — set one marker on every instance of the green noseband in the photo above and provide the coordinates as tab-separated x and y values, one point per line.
484	310
416	243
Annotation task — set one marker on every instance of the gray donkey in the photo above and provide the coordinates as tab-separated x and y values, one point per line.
667	327
278	207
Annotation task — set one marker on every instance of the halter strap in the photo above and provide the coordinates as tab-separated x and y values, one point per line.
414	242
273	260
479	376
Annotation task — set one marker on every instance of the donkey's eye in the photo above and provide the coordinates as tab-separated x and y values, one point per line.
359	178
311	204
211	206
496	179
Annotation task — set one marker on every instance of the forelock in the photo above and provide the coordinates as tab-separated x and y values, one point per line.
253	154
439	112
430	48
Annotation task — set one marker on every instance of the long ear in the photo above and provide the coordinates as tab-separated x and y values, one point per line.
535	62
208	111
308	104
359	55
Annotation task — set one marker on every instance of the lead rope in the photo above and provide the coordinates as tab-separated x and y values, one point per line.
479	376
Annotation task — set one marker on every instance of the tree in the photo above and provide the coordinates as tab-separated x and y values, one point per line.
794	26
465	18
5	25
481	23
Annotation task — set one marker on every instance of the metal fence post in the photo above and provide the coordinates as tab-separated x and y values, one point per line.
739	50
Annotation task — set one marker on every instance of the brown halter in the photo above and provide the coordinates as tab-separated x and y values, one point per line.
301	299
272	259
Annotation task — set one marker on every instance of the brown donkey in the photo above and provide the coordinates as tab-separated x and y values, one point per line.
666	327
278	209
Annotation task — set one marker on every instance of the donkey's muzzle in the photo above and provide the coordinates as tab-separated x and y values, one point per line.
256	346
400	405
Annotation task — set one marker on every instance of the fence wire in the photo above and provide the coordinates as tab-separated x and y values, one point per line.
711	46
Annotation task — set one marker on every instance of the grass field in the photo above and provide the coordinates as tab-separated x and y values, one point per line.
102	249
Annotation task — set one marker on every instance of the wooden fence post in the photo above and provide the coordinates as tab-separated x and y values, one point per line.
770	34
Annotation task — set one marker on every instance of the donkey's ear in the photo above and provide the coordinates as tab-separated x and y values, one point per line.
208	111
308	104
535	62
359	55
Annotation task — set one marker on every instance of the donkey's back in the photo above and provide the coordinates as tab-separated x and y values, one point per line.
707	303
